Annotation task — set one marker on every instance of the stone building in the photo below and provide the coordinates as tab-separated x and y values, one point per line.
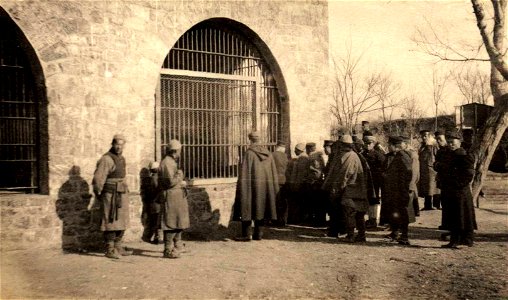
74	73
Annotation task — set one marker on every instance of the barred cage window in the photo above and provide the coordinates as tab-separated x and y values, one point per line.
215	88
20	109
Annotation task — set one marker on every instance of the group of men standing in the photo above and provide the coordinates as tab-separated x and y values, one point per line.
357	179
360	178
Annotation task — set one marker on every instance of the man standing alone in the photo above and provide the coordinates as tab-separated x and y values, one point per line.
110	189
256	190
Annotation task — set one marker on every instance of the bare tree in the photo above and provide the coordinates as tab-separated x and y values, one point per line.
354	93
493	33
412	113
439	81
387	95
473	84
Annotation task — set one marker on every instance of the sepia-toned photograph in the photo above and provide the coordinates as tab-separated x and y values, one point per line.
254	149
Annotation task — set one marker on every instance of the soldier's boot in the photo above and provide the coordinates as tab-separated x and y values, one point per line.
258	231
246	232
169	245
111	250
179	244
119	248
404	238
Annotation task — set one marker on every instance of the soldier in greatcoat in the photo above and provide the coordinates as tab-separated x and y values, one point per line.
461	218
150	215
396	180
427	184
443	179
300	169
315	200
281	163
376	159
256	190
347	184
415	178
111	190
173	200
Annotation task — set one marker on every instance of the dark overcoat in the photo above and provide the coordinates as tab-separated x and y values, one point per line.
281	163
174	206
396	179
461	208
442	166
427	181
257	186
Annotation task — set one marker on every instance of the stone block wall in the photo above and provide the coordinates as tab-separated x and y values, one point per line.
101	62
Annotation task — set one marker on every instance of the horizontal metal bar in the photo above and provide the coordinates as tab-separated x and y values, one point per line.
187	73
204	109
17	160
16	102
19	188
17	145
18	118
216	53
10	66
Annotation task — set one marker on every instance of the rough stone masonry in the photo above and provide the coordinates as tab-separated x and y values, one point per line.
100	65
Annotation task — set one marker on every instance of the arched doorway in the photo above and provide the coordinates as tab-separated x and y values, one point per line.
216	87
23	113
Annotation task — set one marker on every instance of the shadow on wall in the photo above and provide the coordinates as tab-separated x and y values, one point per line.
81	228
205	223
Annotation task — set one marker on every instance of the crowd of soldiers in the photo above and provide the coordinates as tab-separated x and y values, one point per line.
360	178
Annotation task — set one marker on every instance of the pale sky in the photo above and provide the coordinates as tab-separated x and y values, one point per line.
385	29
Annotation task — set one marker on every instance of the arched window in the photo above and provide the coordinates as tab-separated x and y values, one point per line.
23	130
215	88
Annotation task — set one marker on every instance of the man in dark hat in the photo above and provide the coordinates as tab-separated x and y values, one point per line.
443	178
256	190
347	186
315	205
366	128
415	167
427	156
397	177
461	218
174	206
111	190
298	172
281	163
375	158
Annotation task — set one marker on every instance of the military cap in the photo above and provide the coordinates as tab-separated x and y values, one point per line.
300	146
154	165
394	140
328	143
424	131
118	137
359	142
369	138
347	139
405	138
174	145
365	122
310	145
254	136
453	135
439	132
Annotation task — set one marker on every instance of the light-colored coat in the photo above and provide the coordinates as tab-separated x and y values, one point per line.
174	206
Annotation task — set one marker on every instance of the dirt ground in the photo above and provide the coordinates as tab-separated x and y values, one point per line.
292	262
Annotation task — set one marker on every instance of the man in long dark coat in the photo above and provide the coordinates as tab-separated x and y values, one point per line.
461	218
376	159
300	169
281	163
111	190
150	215
396	180
256	190
427	184
315	202
174	206
443	179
